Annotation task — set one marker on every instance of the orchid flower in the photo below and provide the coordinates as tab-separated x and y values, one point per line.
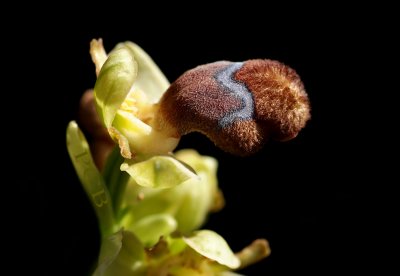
151	202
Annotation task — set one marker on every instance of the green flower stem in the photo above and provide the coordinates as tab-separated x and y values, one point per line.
113	179
92	181
119	187
116	180
109	166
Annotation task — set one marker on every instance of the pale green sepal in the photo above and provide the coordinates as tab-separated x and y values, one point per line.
213	246
150	78
90	177
158	172
114	83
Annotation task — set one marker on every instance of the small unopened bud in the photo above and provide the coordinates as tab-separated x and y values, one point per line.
238	105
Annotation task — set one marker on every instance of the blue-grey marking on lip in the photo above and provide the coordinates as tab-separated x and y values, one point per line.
225	77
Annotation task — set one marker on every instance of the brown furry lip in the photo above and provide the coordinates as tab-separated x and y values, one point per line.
238	105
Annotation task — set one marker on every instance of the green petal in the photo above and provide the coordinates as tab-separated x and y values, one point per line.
135	136
90	178
214	247
150	78
151	228
121	254
158	172
114	83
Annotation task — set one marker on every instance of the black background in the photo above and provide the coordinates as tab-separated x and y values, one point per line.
306	197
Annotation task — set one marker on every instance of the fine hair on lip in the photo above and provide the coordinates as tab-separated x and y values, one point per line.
238	105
